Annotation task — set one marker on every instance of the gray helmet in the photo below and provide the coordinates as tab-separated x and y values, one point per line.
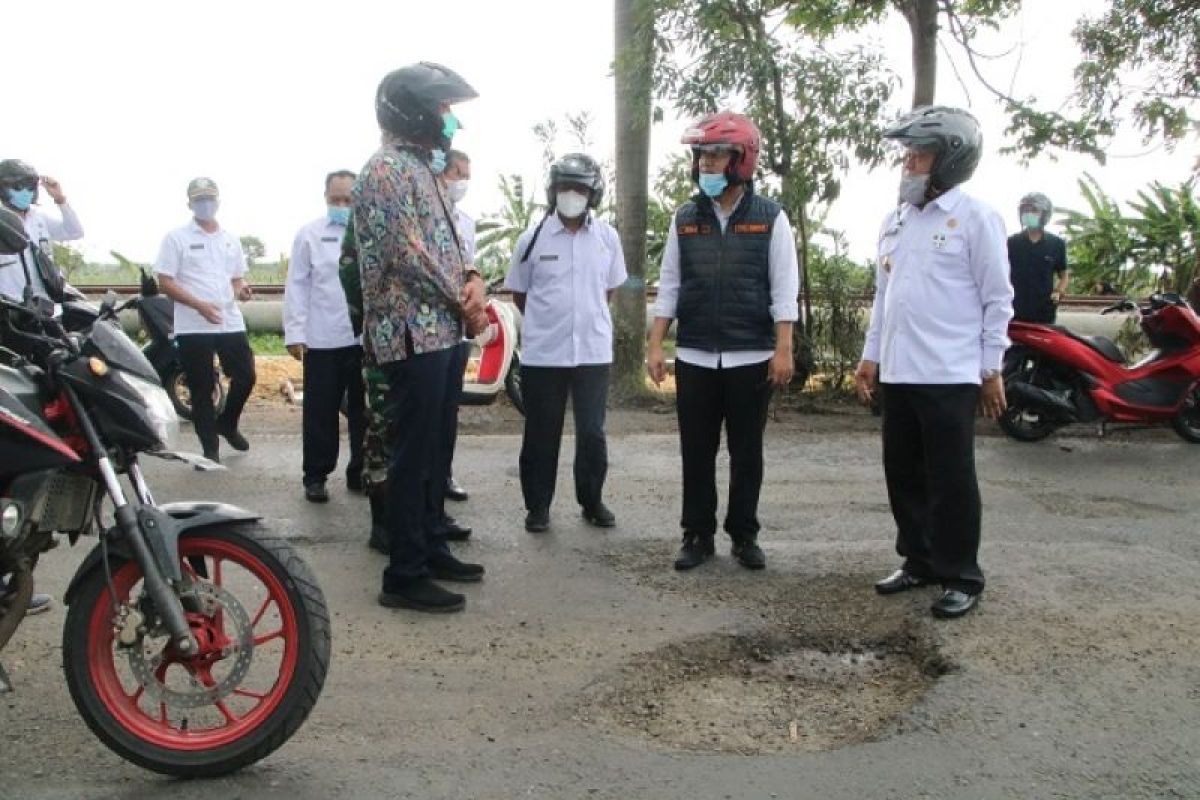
577	168
408	100
1039	203
15	172
950	132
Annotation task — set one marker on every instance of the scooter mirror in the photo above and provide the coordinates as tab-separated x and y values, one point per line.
13	238
109	302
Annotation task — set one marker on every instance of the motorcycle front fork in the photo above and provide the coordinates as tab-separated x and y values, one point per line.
165	600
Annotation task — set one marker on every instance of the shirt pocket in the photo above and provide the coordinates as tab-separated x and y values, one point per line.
885	256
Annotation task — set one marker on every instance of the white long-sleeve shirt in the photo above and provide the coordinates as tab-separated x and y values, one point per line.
314	303
42	229
784	274
943	298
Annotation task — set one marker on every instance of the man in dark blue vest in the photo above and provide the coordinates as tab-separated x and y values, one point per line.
730	278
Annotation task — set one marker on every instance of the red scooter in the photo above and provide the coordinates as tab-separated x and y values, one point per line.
1053	377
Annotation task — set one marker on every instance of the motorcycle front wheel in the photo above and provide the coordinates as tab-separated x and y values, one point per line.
264	641
175	382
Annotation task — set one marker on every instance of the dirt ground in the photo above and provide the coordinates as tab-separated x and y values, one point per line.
585	667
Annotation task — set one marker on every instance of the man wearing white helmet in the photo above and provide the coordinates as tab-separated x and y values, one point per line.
938	332
1035	258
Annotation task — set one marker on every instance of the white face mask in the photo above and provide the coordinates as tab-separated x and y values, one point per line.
457	190
913	188
571	204
205	209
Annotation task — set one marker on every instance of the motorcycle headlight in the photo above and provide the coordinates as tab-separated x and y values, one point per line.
159	411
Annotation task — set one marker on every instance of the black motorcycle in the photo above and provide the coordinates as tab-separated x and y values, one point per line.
195	641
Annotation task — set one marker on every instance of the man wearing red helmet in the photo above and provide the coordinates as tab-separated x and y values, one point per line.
730	278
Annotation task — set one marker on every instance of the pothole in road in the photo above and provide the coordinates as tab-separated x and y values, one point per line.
758	694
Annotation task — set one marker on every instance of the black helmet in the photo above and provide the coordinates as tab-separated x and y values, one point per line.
13	238
1039	203
950	132
408	101
577	168
14	172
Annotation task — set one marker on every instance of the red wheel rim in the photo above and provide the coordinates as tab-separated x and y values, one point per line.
150	721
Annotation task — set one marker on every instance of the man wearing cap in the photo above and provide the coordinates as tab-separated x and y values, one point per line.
417	296
317	331
201	267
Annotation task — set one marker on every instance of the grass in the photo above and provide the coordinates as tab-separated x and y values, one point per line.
267	344
265	274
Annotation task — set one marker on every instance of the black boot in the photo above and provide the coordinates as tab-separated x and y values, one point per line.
749	554
380	541
697	548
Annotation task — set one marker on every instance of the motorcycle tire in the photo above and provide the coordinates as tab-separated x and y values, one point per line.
512	385
1187	422
175	382
153	709
1025	425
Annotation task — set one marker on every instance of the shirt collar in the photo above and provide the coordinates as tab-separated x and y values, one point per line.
555	224
949	201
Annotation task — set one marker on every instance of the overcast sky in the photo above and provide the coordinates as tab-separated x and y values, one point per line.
125	101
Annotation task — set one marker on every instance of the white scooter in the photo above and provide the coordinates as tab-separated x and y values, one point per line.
495	360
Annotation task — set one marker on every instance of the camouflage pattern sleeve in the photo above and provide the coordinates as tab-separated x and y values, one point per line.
351	280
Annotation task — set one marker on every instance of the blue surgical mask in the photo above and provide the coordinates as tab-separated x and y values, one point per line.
449	125
338	215
437	161
21	199
713	183
1031	221
204	209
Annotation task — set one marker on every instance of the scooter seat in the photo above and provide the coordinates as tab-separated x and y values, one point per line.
1105	347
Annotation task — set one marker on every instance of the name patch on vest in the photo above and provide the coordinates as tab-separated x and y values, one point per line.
196	247
552	257
751	227
694	230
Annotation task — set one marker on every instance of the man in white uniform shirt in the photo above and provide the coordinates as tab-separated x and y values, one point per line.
317	331
202	268
19	185
730	278
938	332
455	179
562	276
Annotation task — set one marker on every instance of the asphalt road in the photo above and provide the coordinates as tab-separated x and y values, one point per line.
584	667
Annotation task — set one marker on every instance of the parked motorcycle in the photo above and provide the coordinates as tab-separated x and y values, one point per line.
1053	377
497	366
195	642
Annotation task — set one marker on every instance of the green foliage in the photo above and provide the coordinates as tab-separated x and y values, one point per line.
1158	244
839	315
69	260
497	234
254	249
672	188
267	344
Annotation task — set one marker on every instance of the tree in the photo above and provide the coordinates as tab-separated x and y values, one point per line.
1100	242
1167	234
254	249
633	67
67	259
817	108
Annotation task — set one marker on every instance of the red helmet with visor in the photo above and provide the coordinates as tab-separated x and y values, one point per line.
726	130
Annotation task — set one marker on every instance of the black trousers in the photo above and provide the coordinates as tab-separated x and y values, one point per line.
929	463
450	423
196	351
329	376
545	390
706	399
419	388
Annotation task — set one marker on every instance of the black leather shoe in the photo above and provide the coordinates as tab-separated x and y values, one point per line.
454	491
749	554
354	482
537	521
422	594
380	540
449	568
599	516
213	456
451	531
900	581
315	492
695	551
233	436
954	603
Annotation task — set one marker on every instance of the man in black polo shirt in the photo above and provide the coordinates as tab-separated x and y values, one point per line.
1034	258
